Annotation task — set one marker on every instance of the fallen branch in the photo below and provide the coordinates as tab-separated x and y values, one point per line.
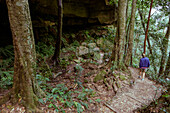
110	107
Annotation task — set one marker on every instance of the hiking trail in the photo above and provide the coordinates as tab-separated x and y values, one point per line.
141	94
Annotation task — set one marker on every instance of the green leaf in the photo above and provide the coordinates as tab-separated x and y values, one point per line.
50	105
98	100
54	90
41	100
166	96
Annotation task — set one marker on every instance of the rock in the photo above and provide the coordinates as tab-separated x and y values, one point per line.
106	45
100	41
84	44
100	61
96	56
96	49
99	76
92	45
82	50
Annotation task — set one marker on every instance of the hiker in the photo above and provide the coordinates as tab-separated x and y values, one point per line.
143	65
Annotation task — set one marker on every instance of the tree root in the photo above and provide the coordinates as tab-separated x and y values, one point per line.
5	98
29	108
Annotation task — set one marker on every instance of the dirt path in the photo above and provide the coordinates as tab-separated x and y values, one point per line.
140	95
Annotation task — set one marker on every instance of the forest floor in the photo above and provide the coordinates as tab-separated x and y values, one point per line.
126	99
114	91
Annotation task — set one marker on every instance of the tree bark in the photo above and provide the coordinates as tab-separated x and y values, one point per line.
131	34
121	29
25	88
119	44
146	32
164	50
167	69
143	24
114	51
127	28
59	34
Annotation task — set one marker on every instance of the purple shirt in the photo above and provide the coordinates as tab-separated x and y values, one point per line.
144	62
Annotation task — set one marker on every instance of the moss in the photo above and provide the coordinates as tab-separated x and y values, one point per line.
122	77
99	76
115	75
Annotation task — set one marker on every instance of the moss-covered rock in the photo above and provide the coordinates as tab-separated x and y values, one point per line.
99	76
104	44
122	77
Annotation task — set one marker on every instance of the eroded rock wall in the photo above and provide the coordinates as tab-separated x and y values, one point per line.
75	12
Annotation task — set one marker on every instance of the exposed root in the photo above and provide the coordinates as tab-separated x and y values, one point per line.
5	98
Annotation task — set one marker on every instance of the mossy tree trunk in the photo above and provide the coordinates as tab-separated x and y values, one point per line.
114	51
121	29
131	34
164	50
119	41
59	34
25	88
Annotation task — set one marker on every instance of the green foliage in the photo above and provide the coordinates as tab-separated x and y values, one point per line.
166	96
78	106
6	72
85	94
6	79
64	62
44	50
75	44
7	52
88	36
42	81
79	70
98	100
61	94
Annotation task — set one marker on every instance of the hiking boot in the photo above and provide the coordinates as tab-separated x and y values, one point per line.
142	79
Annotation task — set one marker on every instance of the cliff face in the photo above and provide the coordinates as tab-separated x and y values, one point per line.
75	13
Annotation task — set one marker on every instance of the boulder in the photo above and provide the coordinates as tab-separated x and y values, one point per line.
96	49
104	44
82	50
92	45
84	44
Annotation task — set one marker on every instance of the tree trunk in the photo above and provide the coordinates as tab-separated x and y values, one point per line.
127	28
137	44
143	24
119	44
25	88
114	51
121	29
131	34
167	69
59	34
146	32
164	50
